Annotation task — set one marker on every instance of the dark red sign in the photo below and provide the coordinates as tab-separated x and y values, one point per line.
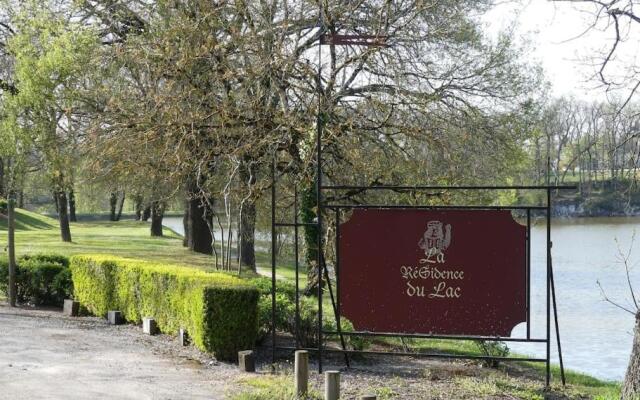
446	272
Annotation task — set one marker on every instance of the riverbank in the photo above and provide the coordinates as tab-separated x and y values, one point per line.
604	199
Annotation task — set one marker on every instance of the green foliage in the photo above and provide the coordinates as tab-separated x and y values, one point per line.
271	387
219	311
42	279
50	60
492	349
607	203
46	258
3	206
308	216
285	305
307	333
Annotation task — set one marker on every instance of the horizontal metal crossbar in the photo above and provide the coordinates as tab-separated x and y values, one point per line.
414	354
445	337
426	187
426	207
296	224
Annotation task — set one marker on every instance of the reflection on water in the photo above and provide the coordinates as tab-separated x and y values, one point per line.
596	336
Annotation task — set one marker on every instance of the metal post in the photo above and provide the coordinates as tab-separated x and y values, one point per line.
528	274
273	260
319	123
335	311
548	369
555	317
296	262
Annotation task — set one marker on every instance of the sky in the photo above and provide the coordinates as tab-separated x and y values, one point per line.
556	33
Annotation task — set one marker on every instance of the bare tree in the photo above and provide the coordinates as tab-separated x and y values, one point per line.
619	20
631	385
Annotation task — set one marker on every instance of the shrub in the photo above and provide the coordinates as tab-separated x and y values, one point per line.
4	275
285	305
41	279
492	349
263	285
307	333
219	311
44	257
3	206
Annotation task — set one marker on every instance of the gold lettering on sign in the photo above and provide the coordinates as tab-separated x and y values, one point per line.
432	269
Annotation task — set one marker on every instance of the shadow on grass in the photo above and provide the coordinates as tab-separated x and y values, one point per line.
28	221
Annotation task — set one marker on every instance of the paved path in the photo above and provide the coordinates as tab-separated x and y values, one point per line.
44	355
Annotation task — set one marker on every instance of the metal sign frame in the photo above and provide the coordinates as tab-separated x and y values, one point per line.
323	209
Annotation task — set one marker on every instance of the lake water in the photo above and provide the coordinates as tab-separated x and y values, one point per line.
596	336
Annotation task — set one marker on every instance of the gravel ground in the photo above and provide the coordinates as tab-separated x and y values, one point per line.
44	355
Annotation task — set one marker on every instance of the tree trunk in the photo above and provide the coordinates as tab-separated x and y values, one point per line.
199	234
185	224
120	205
138	207
63	216
246	245
21	199
11	244
2	186
146	213
113	202
247	235
308	216
72	206
157	213
55	202
631	385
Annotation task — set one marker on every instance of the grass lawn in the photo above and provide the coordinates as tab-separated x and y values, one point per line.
36	233
39	234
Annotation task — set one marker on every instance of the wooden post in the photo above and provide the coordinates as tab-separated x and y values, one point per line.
246	361
367	397
301	367
332	385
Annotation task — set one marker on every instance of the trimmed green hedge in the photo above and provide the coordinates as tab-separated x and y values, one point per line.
41	279
219	311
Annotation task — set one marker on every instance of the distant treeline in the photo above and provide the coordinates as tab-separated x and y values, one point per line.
594	144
